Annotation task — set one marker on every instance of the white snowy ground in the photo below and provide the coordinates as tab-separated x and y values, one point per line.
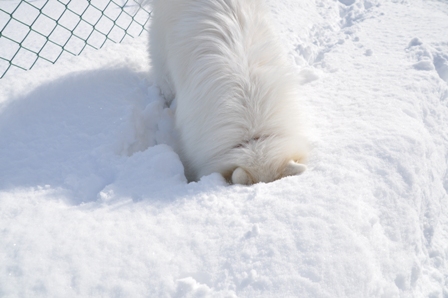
94	203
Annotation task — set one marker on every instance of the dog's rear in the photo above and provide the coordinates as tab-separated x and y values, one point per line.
237	99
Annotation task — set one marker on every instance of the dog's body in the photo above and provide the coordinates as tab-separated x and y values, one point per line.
237	100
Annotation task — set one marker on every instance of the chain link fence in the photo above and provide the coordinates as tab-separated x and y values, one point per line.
39	32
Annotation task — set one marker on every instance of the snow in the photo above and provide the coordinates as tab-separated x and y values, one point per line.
94	203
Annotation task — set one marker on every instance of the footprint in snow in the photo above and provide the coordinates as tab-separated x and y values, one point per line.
420	54
441	65
429	58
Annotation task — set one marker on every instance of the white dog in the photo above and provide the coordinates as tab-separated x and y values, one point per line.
237	100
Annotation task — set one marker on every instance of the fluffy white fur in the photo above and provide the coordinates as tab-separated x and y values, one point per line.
237	99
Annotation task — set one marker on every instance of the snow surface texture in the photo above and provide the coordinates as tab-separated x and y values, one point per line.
94	203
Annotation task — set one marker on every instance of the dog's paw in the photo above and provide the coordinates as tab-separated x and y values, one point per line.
293	168
240	176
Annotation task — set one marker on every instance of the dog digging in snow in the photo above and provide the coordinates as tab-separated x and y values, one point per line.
236	92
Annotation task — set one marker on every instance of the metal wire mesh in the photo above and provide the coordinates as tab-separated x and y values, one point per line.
42	31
